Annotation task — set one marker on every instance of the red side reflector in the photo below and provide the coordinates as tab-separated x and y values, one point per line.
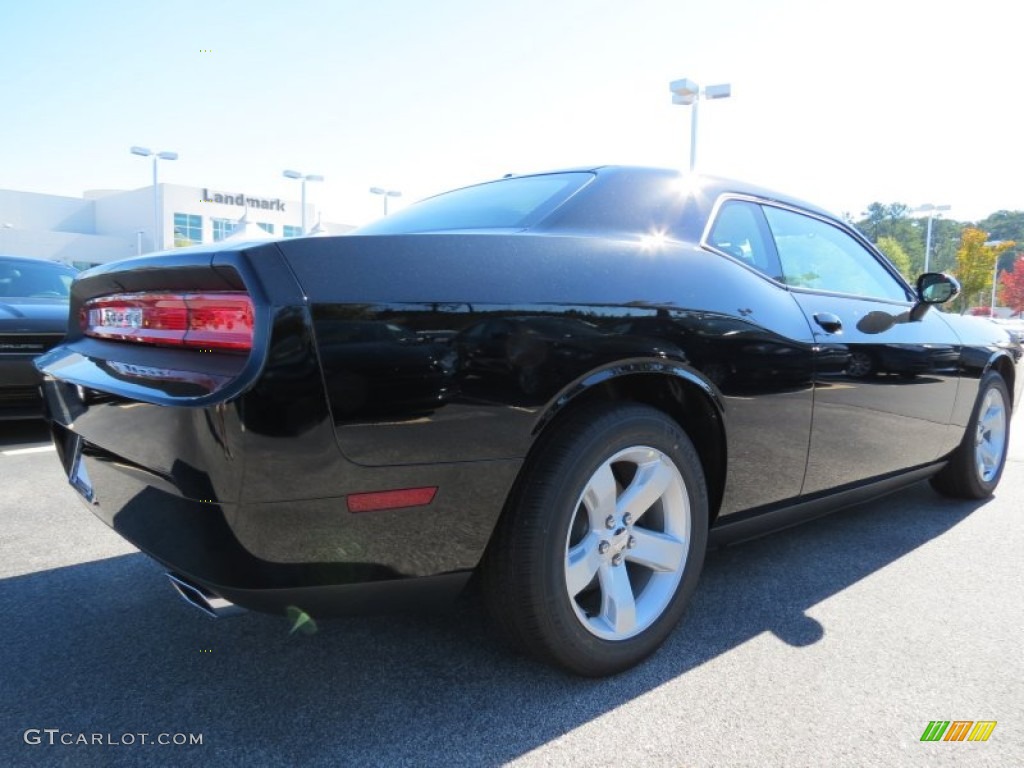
203	320
408	497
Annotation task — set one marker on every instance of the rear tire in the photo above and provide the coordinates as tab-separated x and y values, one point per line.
602	542
976	466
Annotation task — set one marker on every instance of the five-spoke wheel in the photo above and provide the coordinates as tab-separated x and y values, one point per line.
974	468
600	547
627	543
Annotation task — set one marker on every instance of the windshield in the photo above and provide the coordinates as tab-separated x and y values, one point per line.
512	203
34	279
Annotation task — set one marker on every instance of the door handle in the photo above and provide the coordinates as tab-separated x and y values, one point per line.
831	323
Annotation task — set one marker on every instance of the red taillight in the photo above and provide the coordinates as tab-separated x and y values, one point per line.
206	320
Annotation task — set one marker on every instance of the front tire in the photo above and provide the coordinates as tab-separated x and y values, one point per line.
976	466
601	545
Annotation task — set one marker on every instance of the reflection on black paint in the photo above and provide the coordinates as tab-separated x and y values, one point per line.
376	367
734	354
539	354
288	397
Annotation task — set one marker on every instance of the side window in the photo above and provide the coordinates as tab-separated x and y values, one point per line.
739	231
814	254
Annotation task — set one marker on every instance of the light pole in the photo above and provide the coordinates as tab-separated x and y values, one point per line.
157	156
995	279
931	211
304	178
687	92
995	275
385	193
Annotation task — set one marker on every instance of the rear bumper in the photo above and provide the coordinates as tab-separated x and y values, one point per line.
200	518
226	468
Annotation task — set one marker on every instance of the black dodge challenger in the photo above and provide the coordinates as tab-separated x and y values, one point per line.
567	383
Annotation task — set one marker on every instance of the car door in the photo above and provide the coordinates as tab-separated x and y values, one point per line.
760	357
887	376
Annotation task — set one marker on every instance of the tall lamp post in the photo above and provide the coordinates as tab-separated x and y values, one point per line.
688	93
304	178
385	193
931	210
157	156
995	276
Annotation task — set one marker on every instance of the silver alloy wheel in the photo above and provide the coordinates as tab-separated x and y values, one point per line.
627	544
990	440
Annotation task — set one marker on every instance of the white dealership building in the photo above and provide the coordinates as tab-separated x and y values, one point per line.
106	225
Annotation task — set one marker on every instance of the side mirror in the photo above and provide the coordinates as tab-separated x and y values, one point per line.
936	288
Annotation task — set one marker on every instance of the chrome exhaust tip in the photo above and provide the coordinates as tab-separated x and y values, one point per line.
206	601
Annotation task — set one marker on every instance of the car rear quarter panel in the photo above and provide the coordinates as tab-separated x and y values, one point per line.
745	338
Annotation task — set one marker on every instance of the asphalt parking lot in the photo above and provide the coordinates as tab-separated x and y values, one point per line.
831	644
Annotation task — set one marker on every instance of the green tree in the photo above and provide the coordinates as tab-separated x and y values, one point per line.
1004	225
945	241
891	247
874	219
975	263
892	221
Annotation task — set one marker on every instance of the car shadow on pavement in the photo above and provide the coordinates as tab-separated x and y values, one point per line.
105	647
16	433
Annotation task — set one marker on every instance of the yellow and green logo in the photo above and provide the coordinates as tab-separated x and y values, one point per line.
958	730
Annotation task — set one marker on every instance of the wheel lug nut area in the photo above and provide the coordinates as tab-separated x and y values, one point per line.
609	522
603	547
617	560
631	543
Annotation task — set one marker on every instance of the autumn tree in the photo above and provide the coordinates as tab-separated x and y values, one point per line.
891	247
1011	286
975	262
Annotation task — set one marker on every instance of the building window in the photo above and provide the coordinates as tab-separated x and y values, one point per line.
222	228
290	231
188	229
268	228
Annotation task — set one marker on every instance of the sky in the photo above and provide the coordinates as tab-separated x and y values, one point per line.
839	103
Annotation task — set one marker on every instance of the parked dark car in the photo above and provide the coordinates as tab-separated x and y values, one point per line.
33	317
643	363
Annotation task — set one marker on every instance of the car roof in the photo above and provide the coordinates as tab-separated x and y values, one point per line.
712	186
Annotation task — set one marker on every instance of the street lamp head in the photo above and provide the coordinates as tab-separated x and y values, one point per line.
142	151
394	193
314	177
377	191
292	175
929	208
168	155
683	91
721	91
686	92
